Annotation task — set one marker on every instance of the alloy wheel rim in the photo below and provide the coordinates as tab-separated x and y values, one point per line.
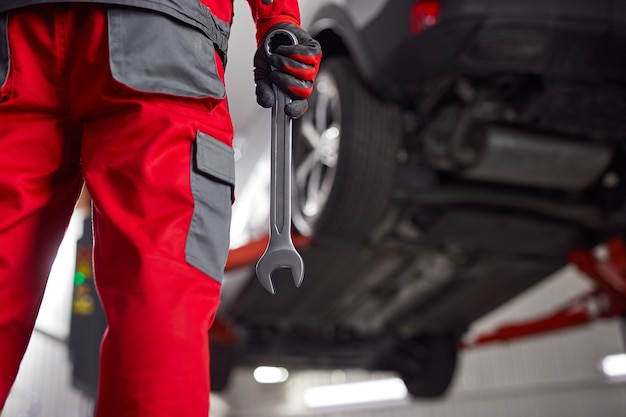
320	137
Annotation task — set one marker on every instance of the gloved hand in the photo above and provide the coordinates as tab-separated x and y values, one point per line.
292	68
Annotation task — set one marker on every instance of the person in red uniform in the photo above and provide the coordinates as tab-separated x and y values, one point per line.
128	98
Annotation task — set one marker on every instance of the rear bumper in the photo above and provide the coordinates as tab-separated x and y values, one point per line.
565	40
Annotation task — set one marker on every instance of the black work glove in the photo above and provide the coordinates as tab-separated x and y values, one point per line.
292	68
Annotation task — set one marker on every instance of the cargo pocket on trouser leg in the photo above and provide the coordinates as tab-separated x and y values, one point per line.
212	183
153	53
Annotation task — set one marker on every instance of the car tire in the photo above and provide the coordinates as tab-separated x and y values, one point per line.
434	364
426	363
222	363
345	150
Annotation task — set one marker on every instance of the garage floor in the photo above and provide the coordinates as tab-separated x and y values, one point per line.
43	387
544	377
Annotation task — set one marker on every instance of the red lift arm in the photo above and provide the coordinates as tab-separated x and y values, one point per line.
606	300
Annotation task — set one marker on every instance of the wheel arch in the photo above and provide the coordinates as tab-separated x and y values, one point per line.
338	36
332	44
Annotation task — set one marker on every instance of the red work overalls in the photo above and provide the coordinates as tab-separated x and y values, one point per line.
131	103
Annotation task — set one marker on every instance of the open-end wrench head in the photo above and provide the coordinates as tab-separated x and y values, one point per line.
275	259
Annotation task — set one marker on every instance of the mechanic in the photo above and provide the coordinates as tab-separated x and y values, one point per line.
128	97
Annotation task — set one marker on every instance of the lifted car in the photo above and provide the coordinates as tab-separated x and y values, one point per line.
454	153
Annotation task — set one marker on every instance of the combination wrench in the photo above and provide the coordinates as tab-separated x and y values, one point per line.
280	252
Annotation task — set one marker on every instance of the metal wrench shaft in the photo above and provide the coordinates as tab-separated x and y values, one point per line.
280	252
280	206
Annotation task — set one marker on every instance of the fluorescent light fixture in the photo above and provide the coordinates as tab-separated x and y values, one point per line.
366	392
614	366
270	375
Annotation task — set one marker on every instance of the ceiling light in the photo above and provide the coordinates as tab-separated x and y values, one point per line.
382	390
270	375
614	366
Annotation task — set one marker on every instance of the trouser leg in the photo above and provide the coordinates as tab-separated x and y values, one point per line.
39	184
154	358
157	261
138	159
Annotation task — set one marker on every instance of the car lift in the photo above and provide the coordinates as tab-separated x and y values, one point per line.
606	300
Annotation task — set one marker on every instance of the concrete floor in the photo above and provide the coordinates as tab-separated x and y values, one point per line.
43	387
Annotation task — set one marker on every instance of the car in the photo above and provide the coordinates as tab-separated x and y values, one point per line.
453	155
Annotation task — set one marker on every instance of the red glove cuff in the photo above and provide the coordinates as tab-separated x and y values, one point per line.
263	25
